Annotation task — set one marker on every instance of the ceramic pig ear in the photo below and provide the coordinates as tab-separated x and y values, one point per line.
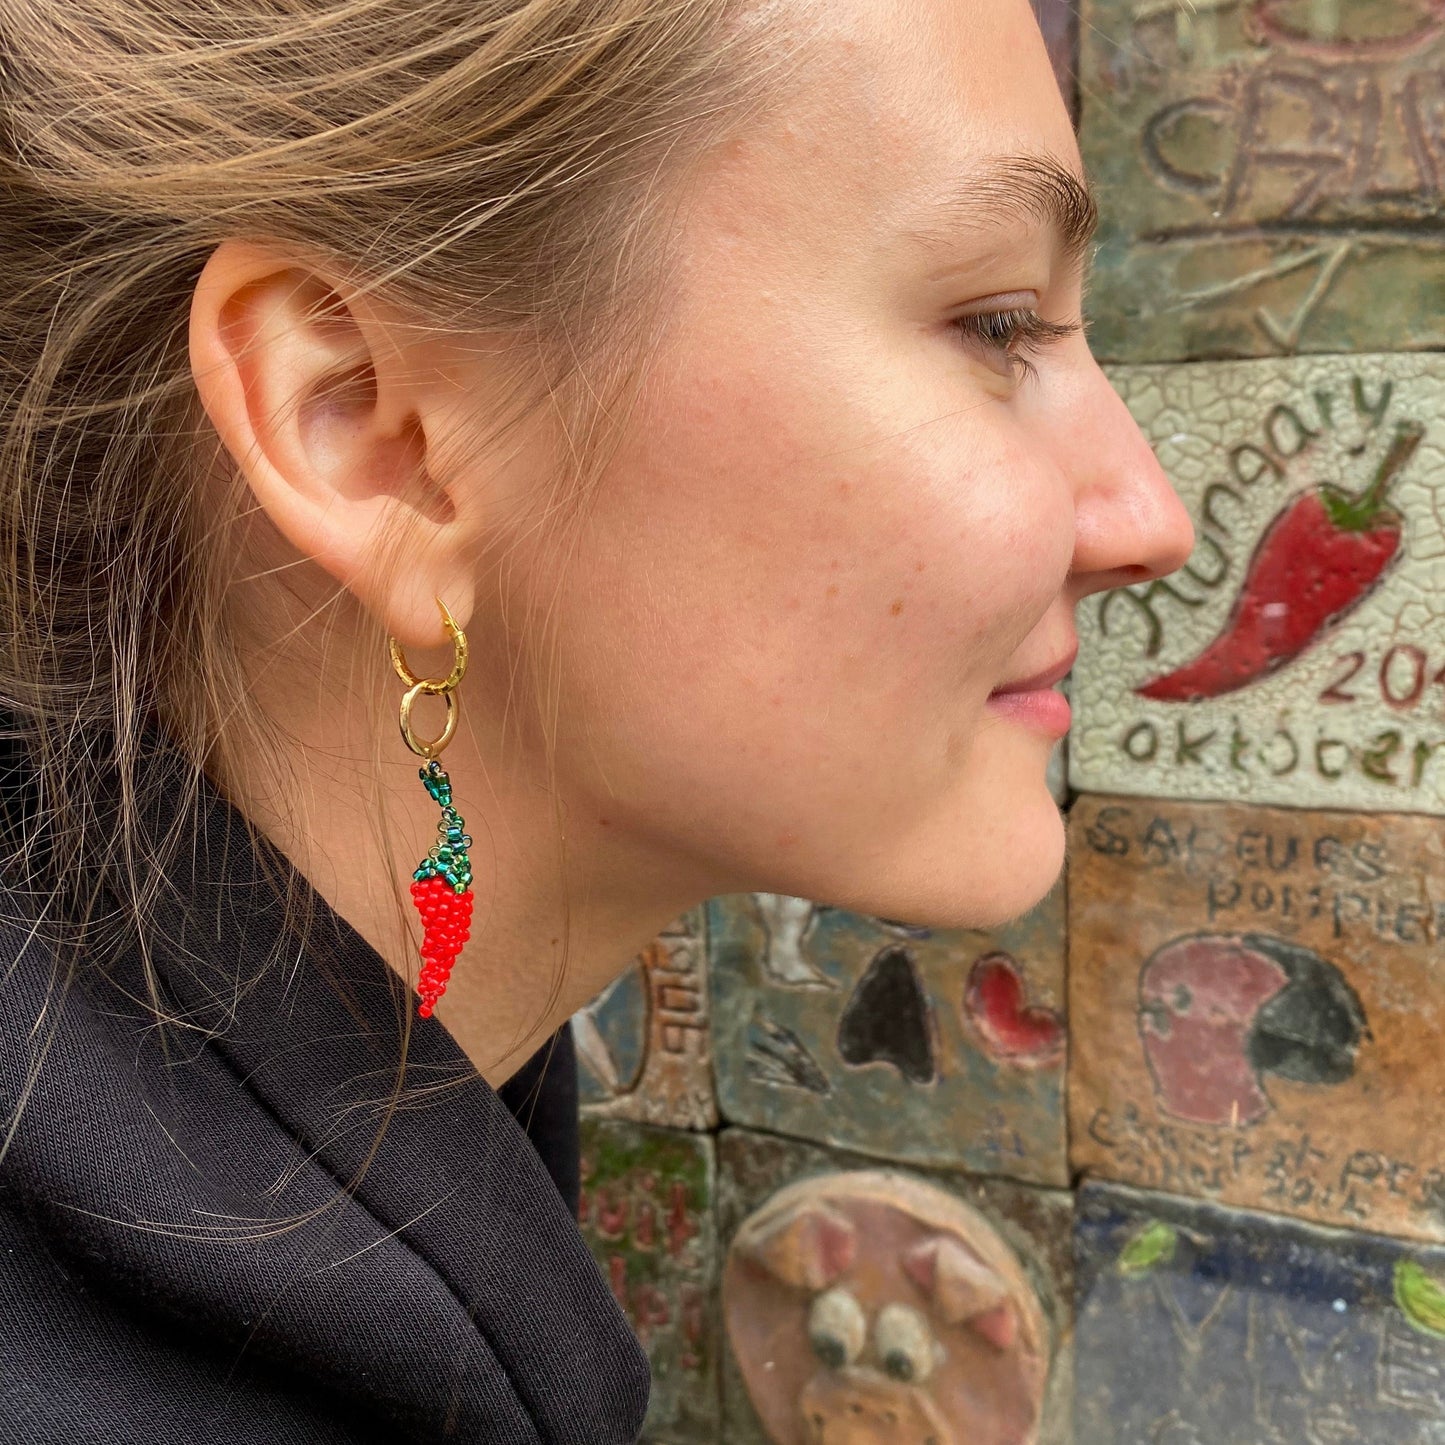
963	1289
808	1247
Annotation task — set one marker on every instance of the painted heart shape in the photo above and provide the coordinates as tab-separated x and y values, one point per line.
1013	1030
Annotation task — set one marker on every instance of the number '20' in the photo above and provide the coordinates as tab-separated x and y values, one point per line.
1403	675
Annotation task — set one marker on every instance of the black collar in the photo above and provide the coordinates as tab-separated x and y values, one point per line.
311	1039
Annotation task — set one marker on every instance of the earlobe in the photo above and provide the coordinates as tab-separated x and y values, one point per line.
312	397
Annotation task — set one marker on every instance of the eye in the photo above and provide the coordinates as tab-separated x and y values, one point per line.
1009	337
905	1344
836	1328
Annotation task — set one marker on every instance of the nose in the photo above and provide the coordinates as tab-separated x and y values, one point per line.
1129	524
856	1419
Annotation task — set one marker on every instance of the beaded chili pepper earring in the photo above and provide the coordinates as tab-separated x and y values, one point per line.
441	886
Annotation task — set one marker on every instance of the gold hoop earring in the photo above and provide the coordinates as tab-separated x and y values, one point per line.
445	687
441	886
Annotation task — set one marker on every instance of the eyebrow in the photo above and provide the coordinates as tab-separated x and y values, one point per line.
1018	187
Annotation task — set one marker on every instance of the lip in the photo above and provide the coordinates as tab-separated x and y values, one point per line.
1041	680
1033	701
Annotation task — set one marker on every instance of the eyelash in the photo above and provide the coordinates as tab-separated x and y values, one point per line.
1017	333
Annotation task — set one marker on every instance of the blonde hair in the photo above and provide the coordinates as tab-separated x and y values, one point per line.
489	163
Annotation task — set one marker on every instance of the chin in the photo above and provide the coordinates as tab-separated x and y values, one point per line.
1024	856
1013	857
1025	887
1018	877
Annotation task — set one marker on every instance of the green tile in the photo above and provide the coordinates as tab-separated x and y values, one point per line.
1271	175
936	1046
647	1213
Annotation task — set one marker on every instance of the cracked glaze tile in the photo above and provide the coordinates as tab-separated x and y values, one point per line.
1299	658
1270	175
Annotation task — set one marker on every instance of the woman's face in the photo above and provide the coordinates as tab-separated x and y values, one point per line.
874	468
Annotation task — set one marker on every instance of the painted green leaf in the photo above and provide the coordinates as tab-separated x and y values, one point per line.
1421	1298
1148	1248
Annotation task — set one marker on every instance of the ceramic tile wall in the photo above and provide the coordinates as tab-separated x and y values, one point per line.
1164	1162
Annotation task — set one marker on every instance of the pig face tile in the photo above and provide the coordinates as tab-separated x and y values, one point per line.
1272	176
1257	998
1198	1324
644	1043
893	1304
941	1047
1299	657
647	1211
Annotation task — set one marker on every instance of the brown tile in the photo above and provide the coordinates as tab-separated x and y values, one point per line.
1256	1000
1269	175
644	1045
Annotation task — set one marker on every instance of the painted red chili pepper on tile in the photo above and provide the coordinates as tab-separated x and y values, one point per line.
1318	560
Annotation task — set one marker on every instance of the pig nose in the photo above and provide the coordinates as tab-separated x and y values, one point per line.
856	1419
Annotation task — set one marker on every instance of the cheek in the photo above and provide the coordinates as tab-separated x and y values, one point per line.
1015	519
806	576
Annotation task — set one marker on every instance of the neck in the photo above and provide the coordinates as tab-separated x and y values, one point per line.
553	923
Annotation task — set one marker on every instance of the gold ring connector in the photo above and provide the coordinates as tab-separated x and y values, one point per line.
442	686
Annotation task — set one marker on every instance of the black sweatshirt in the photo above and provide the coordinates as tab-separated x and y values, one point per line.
180	1260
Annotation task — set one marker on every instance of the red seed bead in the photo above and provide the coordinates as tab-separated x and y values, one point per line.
446	915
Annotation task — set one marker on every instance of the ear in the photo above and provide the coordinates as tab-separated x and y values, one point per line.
807	1246
963	1290
325	402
